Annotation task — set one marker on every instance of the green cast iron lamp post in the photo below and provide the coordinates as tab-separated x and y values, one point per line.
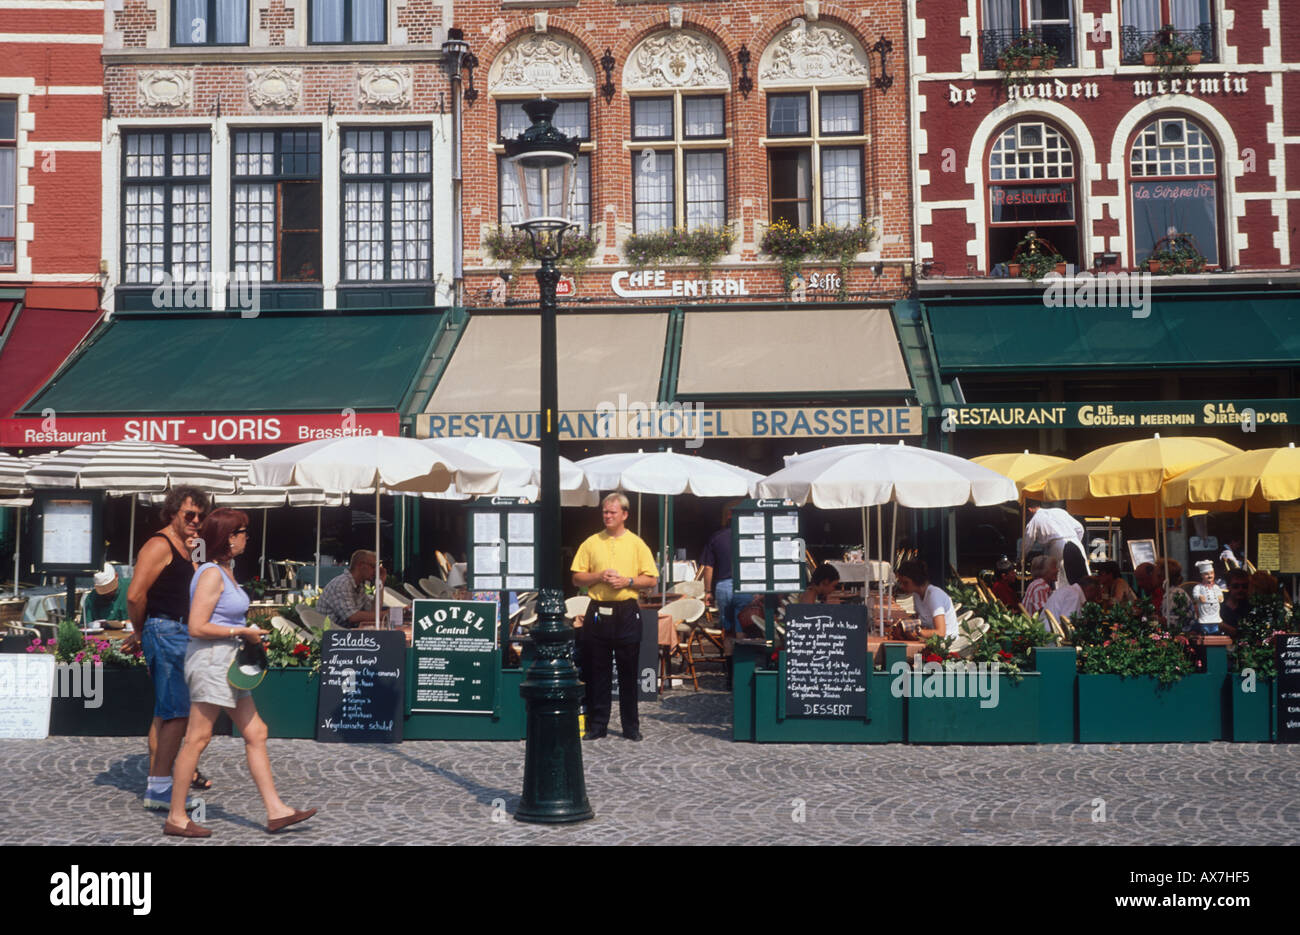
555	790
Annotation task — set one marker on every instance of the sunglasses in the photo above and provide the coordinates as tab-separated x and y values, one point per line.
193	516
241	531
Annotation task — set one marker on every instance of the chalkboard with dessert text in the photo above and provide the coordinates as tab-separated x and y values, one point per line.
1288	687
362	686
767	551
824	666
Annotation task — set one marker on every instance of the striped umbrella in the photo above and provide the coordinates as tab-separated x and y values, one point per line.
12	471
131	466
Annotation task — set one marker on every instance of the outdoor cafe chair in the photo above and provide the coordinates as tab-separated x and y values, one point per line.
576	606
415	592
312	617
393	598
444	563
969	632
688	589
435	587
686	613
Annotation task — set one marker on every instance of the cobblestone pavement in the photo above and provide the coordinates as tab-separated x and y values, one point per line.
687	782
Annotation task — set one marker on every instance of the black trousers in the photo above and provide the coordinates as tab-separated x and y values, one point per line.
609	638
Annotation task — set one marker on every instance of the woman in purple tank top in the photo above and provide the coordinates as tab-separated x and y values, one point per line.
217	624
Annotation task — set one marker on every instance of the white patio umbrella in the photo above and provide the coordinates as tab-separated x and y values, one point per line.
382	463
520	464
667	474
128	468
12	471
866	475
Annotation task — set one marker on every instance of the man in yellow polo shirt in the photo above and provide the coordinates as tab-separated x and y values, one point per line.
613	565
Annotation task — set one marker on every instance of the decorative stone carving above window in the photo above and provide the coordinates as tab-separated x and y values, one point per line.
166	88
274	87
805	53
384	87
541	62
676	59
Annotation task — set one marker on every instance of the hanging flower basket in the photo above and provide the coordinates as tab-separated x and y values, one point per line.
1034	258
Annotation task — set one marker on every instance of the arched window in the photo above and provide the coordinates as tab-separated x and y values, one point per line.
813	76
543	63
1032	186
678	82
1174	187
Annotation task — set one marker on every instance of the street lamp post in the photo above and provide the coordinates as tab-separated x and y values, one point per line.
555	790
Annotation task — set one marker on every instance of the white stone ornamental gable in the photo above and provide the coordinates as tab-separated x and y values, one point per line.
541	62
807	53
676	59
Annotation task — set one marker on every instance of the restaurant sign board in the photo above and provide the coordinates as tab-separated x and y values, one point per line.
684	421
1248	414
245	428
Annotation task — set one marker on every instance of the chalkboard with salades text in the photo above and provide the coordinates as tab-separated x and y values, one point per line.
824	666
362	686
1288	687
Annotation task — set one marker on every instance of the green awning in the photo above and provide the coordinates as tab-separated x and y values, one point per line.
277	361
1015	335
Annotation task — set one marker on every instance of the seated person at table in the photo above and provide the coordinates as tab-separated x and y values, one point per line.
1065	602
824	580
1236	606
108	600
1114	589
1150	583
932	603
344	599
1004	583
1044	570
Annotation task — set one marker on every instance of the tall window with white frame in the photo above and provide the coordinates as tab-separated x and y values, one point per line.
276	218
166	206
1032	186
573	119
210	22
387	204
347	21
1004	21
1174	187
679	162
8	184
1141	22
815	161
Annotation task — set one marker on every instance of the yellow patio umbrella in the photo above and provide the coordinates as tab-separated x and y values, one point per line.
1028	472
1132	475
1250	481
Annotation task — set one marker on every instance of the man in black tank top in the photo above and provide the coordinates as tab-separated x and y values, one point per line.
159	603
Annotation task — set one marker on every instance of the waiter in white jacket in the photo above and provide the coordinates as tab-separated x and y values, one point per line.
1062	536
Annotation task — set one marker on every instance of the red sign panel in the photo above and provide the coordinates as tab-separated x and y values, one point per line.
564	287
287	428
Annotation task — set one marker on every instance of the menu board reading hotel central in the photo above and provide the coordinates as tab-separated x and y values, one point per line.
454	664
766	548
502	552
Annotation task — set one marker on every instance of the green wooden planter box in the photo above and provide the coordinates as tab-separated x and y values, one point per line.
1254	713
1114	709
125	707
1011	714
286	701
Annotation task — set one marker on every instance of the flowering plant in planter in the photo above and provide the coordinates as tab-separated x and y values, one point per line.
291	651
256	588
1034	258
1171	53
793	246
1268	617
1129	640
1175	254
505	244
72	647
703	245
1025	53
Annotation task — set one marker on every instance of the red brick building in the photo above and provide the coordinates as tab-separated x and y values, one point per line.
51	104
719	115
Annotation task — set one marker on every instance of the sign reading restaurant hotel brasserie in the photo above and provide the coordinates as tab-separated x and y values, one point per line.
1245	413
684	421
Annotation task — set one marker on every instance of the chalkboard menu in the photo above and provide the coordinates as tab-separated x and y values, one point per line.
502	548
362	689
455	658
825	661
26	686
1288	687
767	552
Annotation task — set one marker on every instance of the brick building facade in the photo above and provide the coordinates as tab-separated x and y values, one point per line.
719	115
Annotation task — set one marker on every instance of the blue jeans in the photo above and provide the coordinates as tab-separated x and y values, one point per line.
722	594
165	641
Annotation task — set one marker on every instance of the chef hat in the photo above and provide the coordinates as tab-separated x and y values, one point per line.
1204	565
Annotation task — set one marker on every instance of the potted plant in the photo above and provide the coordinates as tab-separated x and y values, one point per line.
793	246
286	699
1026	53
1034	258
1174	254
1253	665
113	700
1170	52
505	244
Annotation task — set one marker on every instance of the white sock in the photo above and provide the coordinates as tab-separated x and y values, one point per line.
160	786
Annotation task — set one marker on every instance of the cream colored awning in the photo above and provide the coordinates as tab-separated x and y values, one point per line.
812	350
495	367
